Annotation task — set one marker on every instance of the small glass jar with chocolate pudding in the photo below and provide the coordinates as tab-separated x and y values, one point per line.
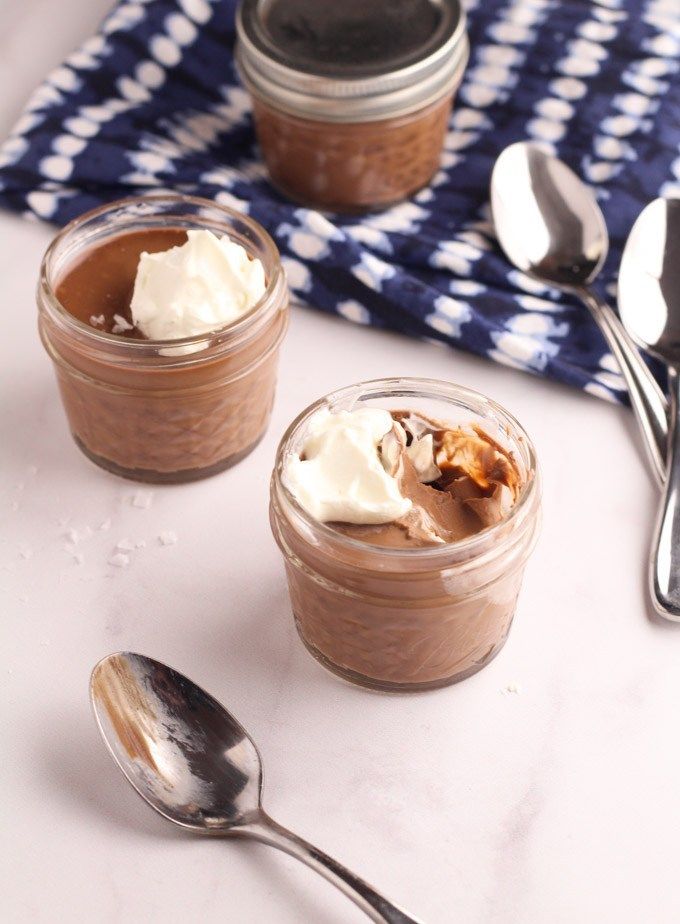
163	316
351	100
405	510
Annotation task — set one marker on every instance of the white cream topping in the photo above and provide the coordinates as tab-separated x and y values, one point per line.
195	288
338	474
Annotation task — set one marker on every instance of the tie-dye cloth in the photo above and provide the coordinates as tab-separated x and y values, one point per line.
153	102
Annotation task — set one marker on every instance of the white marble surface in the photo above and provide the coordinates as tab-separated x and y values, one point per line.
559	803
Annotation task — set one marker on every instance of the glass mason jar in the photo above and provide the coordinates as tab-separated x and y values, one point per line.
164	411
351	101
407	619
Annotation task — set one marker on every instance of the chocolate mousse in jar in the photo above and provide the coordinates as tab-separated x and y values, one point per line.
405	510
163	316
351	100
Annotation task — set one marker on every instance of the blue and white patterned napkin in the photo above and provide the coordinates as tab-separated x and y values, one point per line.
153	102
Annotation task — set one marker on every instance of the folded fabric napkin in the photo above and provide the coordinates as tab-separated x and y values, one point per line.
153	102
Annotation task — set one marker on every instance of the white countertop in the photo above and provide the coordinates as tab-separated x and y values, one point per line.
558	803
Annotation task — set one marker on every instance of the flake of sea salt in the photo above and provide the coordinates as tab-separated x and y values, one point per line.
140	544
168	537
124	545
26	552
119	560
71	536
142	499
104	525
97	319
78	558
512	688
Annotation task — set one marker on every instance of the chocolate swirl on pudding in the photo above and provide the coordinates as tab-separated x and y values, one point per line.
461	482
401	479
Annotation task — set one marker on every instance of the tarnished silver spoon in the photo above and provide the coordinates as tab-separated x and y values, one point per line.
192	761
550	226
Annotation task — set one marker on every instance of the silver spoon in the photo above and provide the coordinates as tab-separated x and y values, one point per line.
649	301
551	227
192	761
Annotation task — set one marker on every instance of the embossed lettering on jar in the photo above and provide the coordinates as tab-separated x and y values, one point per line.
158	410
397	618
351	100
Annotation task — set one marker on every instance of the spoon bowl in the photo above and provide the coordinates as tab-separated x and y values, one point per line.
189	758
649	280
547	221
649	302
550	226
180	749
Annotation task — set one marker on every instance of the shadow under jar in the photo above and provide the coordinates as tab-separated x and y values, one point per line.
351	100
416	618
158	411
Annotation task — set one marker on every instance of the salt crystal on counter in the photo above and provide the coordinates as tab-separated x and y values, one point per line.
71	535
140	544
106	524
78	557
26	552
119	560
512	688
168	537
142	499
124	545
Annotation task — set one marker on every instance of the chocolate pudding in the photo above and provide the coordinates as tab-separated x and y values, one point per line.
351	101
353	167
167	410
97	289
465	491
425	597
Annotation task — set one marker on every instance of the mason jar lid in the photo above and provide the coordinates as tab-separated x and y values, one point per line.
354	60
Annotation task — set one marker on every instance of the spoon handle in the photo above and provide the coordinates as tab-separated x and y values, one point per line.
648	401
379	909
664	572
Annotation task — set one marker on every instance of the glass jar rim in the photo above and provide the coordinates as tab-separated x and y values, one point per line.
479	542
115	341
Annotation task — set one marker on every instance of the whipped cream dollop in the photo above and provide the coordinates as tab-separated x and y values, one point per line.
195	288
338	473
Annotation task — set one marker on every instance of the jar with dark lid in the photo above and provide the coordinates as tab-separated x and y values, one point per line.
351	100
